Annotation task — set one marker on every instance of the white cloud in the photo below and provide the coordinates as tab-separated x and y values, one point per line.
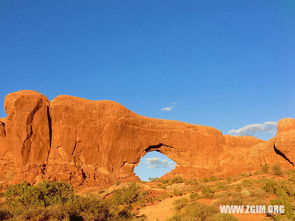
158	163
252	129
168	108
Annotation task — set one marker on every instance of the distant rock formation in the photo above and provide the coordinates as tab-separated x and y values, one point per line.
96	143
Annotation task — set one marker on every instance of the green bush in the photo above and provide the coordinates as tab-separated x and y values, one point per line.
270	186
245	193
277	170
44	194
4	214
230	179
192	182
153	179
177	193
118	182
180	203
196	211
208	192
161	185
221	185
246	174
291	178
265	168
213	178
247	183
281	189
129	195
289	209
194	196
43	214
177	179
89	208
164	181
56	201
222	217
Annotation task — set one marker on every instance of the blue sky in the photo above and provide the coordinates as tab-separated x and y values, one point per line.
225	64
154	164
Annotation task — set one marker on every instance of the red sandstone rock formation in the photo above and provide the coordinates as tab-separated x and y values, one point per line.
95	143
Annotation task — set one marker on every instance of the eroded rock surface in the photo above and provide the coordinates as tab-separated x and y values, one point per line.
96	143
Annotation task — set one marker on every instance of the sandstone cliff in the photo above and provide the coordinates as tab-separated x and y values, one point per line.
95	143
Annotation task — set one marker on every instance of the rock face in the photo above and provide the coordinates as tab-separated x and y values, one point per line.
95	143
285	138
25	135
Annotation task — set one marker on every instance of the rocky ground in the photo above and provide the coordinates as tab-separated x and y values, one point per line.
174	199
171	198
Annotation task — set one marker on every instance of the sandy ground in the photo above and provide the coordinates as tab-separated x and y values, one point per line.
160	211
250	217
164	210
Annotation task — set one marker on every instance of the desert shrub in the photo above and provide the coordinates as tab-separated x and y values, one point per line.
259	193
270	186
93	209
238	187
194	196
152	179
44	194
192	182
43	214
247	183
280	189
118	182
178	193
208	192
246	174
230	179
180	203
123	213
4	214
55	192
222	217
164	181
245	193
265	168
177	179
22	194
89	208
196	211
220	185
291	178
56	201
100	191
213	178
286	190
229	198
244	196
160	185
289	209
210	179
129	195
290	189
277	170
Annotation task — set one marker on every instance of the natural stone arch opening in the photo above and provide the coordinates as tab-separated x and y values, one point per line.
155	162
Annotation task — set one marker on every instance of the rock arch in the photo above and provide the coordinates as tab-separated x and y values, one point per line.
96	143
